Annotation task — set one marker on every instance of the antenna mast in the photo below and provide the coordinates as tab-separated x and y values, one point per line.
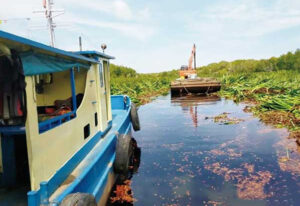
48	9
49	17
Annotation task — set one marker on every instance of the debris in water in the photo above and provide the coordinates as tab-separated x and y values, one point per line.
248	186
217	152
252	187
212	203
224	119
123	193
173	147
247	109
249	167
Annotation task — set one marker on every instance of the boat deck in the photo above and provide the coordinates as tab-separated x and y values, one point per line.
199	85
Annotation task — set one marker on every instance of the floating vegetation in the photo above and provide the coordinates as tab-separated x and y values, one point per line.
275	96
288	156
123	194
224	119
249	186
252	187
173	147
212	203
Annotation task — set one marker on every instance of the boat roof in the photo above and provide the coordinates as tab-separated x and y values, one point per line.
22	44
38	58
95	53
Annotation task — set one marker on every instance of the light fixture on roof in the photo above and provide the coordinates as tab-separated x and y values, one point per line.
103	47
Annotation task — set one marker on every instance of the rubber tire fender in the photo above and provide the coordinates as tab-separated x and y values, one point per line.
135	118
79	199
124	152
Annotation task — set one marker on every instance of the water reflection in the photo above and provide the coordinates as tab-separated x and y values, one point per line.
189	104
189	159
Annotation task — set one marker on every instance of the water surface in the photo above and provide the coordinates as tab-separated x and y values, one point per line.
189	159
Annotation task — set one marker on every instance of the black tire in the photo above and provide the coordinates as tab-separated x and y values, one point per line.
79	199
135	118
123	154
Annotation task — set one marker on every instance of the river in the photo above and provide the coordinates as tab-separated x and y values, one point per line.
191	158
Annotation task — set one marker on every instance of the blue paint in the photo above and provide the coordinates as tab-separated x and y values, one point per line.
8	177
34	198
35	45
93	176
44	193
66	169
95	54
35	63
55	121
10	130
74	102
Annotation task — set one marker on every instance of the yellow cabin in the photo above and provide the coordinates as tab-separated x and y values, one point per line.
59	124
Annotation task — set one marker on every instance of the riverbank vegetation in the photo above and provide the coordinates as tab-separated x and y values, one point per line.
272	86
140	87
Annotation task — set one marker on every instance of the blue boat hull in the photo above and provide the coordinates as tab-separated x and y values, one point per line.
90	170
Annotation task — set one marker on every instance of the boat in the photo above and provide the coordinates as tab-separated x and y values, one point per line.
189	83
195	85
64	138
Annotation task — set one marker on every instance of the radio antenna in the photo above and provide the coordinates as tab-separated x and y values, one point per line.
48	9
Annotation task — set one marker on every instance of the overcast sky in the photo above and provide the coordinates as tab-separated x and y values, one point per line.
152	35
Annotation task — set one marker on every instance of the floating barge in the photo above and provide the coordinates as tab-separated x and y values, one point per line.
194	86
64	138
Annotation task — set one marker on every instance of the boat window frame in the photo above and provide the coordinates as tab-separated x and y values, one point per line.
59	120
101	74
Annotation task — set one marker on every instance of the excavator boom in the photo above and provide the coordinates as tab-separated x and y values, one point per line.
185	72
192	58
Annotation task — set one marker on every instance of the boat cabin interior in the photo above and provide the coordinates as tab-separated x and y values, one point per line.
51	103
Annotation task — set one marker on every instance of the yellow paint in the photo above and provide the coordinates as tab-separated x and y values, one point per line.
60	88
101	104
48	151
107	85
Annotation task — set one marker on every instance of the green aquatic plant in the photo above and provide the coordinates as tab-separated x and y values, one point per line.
140	87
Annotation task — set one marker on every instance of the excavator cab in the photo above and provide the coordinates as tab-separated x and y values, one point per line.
186	73
189	83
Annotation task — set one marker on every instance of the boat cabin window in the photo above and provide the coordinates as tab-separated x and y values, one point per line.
58	95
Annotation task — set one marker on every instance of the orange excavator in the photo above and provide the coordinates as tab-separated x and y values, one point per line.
189	83
188	72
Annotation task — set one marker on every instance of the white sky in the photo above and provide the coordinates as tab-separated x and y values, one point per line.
152	36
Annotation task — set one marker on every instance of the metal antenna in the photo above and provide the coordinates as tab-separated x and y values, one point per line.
80	44
50	21
48	4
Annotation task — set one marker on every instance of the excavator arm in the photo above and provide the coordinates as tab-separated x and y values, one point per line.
184	73
192	58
